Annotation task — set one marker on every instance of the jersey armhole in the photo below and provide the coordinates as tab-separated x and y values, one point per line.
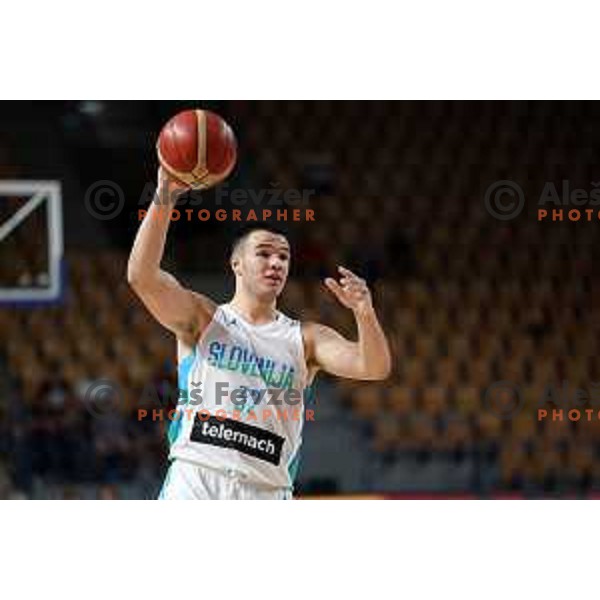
194	351
311	370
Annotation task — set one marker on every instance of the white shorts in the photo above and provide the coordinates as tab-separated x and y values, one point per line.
189	481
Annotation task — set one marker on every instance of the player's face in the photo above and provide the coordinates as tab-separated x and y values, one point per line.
264	263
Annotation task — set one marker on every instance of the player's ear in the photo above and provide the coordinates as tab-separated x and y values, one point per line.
235	264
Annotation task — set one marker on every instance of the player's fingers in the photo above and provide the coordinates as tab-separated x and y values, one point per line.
334	286
347	273
349	281
349	277
354	285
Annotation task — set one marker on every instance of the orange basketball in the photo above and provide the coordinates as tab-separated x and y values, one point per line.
198	148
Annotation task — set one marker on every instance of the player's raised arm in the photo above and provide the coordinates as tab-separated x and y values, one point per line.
180	310
369	357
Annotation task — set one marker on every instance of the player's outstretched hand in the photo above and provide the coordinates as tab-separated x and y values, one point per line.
351	290
169	188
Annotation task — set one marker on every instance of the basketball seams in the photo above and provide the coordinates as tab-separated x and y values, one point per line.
202	134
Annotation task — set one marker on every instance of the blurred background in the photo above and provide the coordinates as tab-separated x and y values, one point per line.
466	299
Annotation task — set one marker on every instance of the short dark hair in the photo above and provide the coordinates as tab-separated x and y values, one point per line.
244	232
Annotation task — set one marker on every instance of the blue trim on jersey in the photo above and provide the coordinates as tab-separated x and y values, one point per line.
294	465
309	397
183	374
309	394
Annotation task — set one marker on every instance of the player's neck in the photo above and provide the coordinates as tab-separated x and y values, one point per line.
254	310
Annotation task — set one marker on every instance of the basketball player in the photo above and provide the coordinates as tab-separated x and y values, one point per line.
244	345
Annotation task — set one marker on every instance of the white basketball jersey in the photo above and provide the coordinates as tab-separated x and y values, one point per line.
245	407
